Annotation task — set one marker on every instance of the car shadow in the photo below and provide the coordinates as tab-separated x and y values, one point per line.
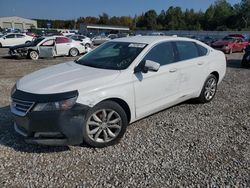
236	63
9	138
13	57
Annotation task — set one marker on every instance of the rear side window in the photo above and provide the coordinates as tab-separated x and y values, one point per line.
61	40
19	36
202	50
186	50
162	53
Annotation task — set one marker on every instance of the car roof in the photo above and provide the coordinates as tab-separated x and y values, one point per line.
151	39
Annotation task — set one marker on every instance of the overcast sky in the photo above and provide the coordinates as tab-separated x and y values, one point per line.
68	9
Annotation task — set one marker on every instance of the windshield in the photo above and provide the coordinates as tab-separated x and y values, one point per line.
229	39
112	55
37	41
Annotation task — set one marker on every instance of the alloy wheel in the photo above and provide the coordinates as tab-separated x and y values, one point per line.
210	89
104	125
34	55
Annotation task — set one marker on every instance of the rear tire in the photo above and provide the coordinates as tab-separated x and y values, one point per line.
209	89
105	124
27	42
1	45
73	52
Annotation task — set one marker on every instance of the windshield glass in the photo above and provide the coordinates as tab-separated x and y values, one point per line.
37	41
228	39
112	55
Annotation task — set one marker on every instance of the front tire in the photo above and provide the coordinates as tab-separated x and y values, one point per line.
73	52
209	89
105	124
87	45
33	55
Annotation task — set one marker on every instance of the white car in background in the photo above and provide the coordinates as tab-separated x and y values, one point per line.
99	39
13	39
83	39
49	47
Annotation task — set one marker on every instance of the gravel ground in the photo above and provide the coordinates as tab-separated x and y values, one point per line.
189	145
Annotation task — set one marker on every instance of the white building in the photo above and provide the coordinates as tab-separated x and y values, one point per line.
17	23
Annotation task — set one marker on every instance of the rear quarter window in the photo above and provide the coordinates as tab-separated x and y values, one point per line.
186	50
202	50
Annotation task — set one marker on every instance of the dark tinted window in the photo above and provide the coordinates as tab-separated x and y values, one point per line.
49	42
162	53
61	40
186	50
19	36
202	50
112	55
10	36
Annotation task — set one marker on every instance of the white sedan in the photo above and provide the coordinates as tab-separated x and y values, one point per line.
83	39
49	47
13	39
94	98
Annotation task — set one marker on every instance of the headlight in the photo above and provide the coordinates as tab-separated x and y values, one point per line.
13	90
59	105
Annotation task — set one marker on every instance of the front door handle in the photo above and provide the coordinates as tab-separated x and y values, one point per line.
173	70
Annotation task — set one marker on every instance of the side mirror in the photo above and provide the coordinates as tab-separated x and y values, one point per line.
146	66
4	38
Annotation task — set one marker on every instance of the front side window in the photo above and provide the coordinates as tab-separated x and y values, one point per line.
186	50
162	53
48	43
112	55
10	36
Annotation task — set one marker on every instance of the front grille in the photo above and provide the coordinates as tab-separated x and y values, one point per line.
21	107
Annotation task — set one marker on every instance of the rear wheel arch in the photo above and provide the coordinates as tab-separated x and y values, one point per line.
216	74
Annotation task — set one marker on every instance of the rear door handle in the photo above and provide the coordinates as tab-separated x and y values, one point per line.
173	70
200	63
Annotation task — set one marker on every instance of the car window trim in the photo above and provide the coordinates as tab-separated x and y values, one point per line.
177	51
146	53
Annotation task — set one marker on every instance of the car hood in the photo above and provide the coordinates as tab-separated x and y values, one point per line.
66	77
21	46
220	43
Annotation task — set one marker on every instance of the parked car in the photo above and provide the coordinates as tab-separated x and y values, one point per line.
99	40
13	39
113	36
68	32
246	58
85	40
94	98
208	40
48	47
230	44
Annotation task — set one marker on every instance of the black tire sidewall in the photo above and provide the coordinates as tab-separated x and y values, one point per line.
87	45
73	49
202	97
105	105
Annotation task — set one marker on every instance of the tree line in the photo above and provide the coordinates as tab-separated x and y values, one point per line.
219	16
